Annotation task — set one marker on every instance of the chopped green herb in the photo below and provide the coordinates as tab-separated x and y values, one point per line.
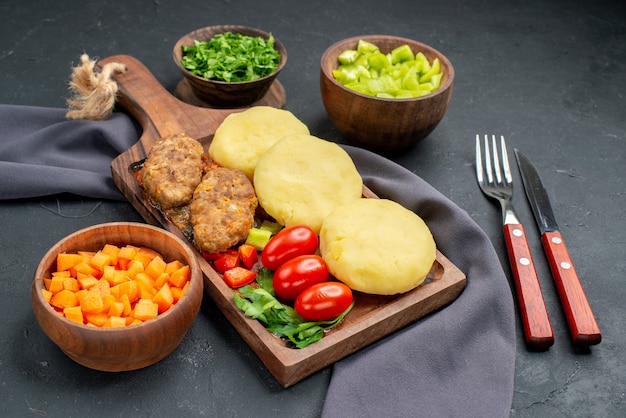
265	279
231	57
281	320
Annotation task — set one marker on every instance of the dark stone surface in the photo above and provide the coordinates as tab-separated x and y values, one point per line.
549	75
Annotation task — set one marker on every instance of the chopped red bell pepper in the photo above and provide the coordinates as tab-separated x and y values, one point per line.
248	255
239	276
228	260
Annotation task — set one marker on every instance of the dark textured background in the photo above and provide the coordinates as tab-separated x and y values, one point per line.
549	75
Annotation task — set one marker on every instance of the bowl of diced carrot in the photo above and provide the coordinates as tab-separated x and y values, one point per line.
117	296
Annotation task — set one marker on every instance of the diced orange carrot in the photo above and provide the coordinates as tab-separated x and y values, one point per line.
131	288
112	251
66	261
178	292
115	291
145	255
133	291
86	254
164	298
70	283
115	322
146	309
103	287
122	263
97	318
85	267
74	313
133	321
92	301
172	266
116	309
155	267
120	276
87	282
135	266
80	295
64	299
180	276
146	286
185	289
161	280
99	260
144	280
108	273
56	284
127	252
127	306
107	301
146	293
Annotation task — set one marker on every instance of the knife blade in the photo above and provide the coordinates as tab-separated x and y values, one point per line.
580	318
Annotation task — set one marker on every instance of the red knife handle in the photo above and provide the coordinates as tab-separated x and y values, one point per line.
580	318
535	320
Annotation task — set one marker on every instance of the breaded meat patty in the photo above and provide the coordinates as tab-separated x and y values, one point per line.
222	209
172	170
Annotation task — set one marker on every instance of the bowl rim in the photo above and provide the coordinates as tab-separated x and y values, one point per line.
37	280
220	29
354	39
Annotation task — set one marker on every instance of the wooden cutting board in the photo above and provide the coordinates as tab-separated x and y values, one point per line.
161	114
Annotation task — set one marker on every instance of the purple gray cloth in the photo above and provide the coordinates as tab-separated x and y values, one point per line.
457	362
42	153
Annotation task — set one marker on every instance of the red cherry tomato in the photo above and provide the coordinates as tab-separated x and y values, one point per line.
323	301
295	275
288	243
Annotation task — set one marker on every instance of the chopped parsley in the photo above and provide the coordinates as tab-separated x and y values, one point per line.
231	57
281	320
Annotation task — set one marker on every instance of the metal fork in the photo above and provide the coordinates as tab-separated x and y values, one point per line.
495	180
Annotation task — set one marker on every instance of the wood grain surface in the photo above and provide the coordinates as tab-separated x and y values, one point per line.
160	114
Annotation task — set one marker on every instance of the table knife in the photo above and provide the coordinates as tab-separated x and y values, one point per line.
581	321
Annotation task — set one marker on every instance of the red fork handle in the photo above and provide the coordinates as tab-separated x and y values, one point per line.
537	329
580	319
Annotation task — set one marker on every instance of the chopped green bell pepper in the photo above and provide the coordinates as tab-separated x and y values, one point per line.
348	56
398	74
258	238
365	47
401	54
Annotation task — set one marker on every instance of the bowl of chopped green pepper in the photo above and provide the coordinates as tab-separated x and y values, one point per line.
383	92
229	66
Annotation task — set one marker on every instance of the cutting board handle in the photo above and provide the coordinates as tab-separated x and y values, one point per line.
144	98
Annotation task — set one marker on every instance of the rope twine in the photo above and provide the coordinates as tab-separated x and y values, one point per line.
93	93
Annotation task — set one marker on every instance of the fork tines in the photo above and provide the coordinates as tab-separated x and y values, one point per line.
490	171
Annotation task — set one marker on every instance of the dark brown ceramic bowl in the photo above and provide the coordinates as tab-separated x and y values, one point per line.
221	93
131	347
383	125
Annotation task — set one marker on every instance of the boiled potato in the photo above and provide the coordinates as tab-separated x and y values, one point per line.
242	138
377	246
302	178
